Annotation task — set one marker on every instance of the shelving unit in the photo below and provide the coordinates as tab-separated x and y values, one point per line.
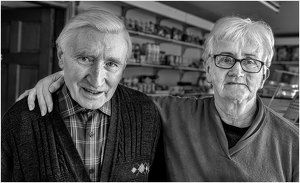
199	94
162	39
166	67
161	12
286	83
286	62
286	72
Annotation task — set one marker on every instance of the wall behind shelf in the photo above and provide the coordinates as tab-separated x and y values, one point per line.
166	77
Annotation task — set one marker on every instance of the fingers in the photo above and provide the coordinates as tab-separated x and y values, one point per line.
23	95
40	97
47	97
42	91
56	84
31	98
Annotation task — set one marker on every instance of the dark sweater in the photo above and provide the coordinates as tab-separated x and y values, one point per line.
36	148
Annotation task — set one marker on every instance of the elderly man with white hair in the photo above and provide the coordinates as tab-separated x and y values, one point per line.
98	130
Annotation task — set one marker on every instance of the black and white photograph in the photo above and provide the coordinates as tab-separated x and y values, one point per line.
150	91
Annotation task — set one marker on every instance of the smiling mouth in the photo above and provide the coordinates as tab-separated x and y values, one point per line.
232	83
92	91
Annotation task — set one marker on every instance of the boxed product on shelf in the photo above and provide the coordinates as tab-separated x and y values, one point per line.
295	53
136	52
176	34
143	83
282	53
173	60
287	53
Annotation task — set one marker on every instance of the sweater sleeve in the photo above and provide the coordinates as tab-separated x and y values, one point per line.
6	153
296	176
296	165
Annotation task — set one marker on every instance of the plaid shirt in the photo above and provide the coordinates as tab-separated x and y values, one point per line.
88	129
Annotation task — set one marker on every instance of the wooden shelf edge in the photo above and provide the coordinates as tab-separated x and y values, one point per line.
286	72
166	67
286	62
142	34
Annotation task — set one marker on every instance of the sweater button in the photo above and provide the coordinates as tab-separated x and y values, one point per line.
91	171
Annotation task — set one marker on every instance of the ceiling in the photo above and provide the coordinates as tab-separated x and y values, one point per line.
285	23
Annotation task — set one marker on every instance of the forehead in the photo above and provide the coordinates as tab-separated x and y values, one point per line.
237	48
94	41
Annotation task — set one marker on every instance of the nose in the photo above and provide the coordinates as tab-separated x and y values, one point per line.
237	70
97	75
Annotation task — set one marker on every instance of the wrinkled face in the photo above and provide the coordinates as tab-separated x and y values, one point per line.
235	84
93	64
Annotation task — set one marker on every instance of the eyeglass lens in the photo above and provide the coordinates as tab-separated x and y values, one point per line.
248	64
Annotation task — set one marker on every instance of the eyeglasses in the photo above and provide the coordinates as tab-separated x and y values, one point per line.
248	64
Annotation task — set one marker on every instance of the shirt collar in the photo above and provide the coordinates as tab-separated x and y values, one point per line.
69	107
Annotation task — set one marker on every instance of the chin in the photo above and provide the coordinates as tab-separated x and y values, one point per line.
92	104
236	96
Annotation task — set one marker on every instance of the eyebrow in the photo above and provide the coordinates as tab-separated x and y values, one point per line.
226	53
250	55
246	55
114	59
83	52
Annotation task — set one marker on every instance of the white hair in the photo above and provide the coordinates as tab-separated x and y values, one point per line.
97	19
243	31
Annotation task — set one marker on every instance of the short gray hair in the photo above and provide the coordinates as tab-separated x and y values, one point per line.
243	31
98	19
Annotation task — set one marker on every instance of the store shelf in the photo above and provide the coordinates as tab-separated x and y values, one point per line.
171	13
166	67
286	62
287	72
283	87
276	97
162	39
197	94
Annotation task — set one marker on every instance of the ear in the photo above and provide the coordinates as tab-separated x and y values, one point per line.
207	69
266	74
60	54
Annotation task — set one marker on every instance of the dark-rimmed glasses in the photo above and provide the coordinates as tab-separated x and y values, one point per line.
248	64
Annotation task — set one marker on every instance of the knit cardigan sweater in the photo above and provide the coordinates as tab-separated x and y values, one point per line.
36	148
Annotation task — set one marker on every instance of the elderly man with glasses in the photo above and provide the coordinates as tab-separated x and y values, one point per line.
231	136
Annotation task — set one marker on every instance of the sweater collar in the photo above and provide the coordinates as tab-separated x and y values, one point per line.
69	107
248	137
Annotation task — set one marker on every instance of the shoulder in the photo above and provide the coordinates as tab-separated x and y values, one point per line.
188	103
131	95
283	128
19	116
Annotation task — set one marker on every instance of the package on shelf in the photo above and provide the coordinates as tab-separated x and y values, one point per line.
176	34
162	58
282	54
151	52
176	90
204	86
173	60
295	53
196	63
136	52
129	23
287	53
143	83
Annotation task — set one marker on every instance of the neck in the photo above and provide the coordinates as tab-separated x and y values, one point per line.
235	113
